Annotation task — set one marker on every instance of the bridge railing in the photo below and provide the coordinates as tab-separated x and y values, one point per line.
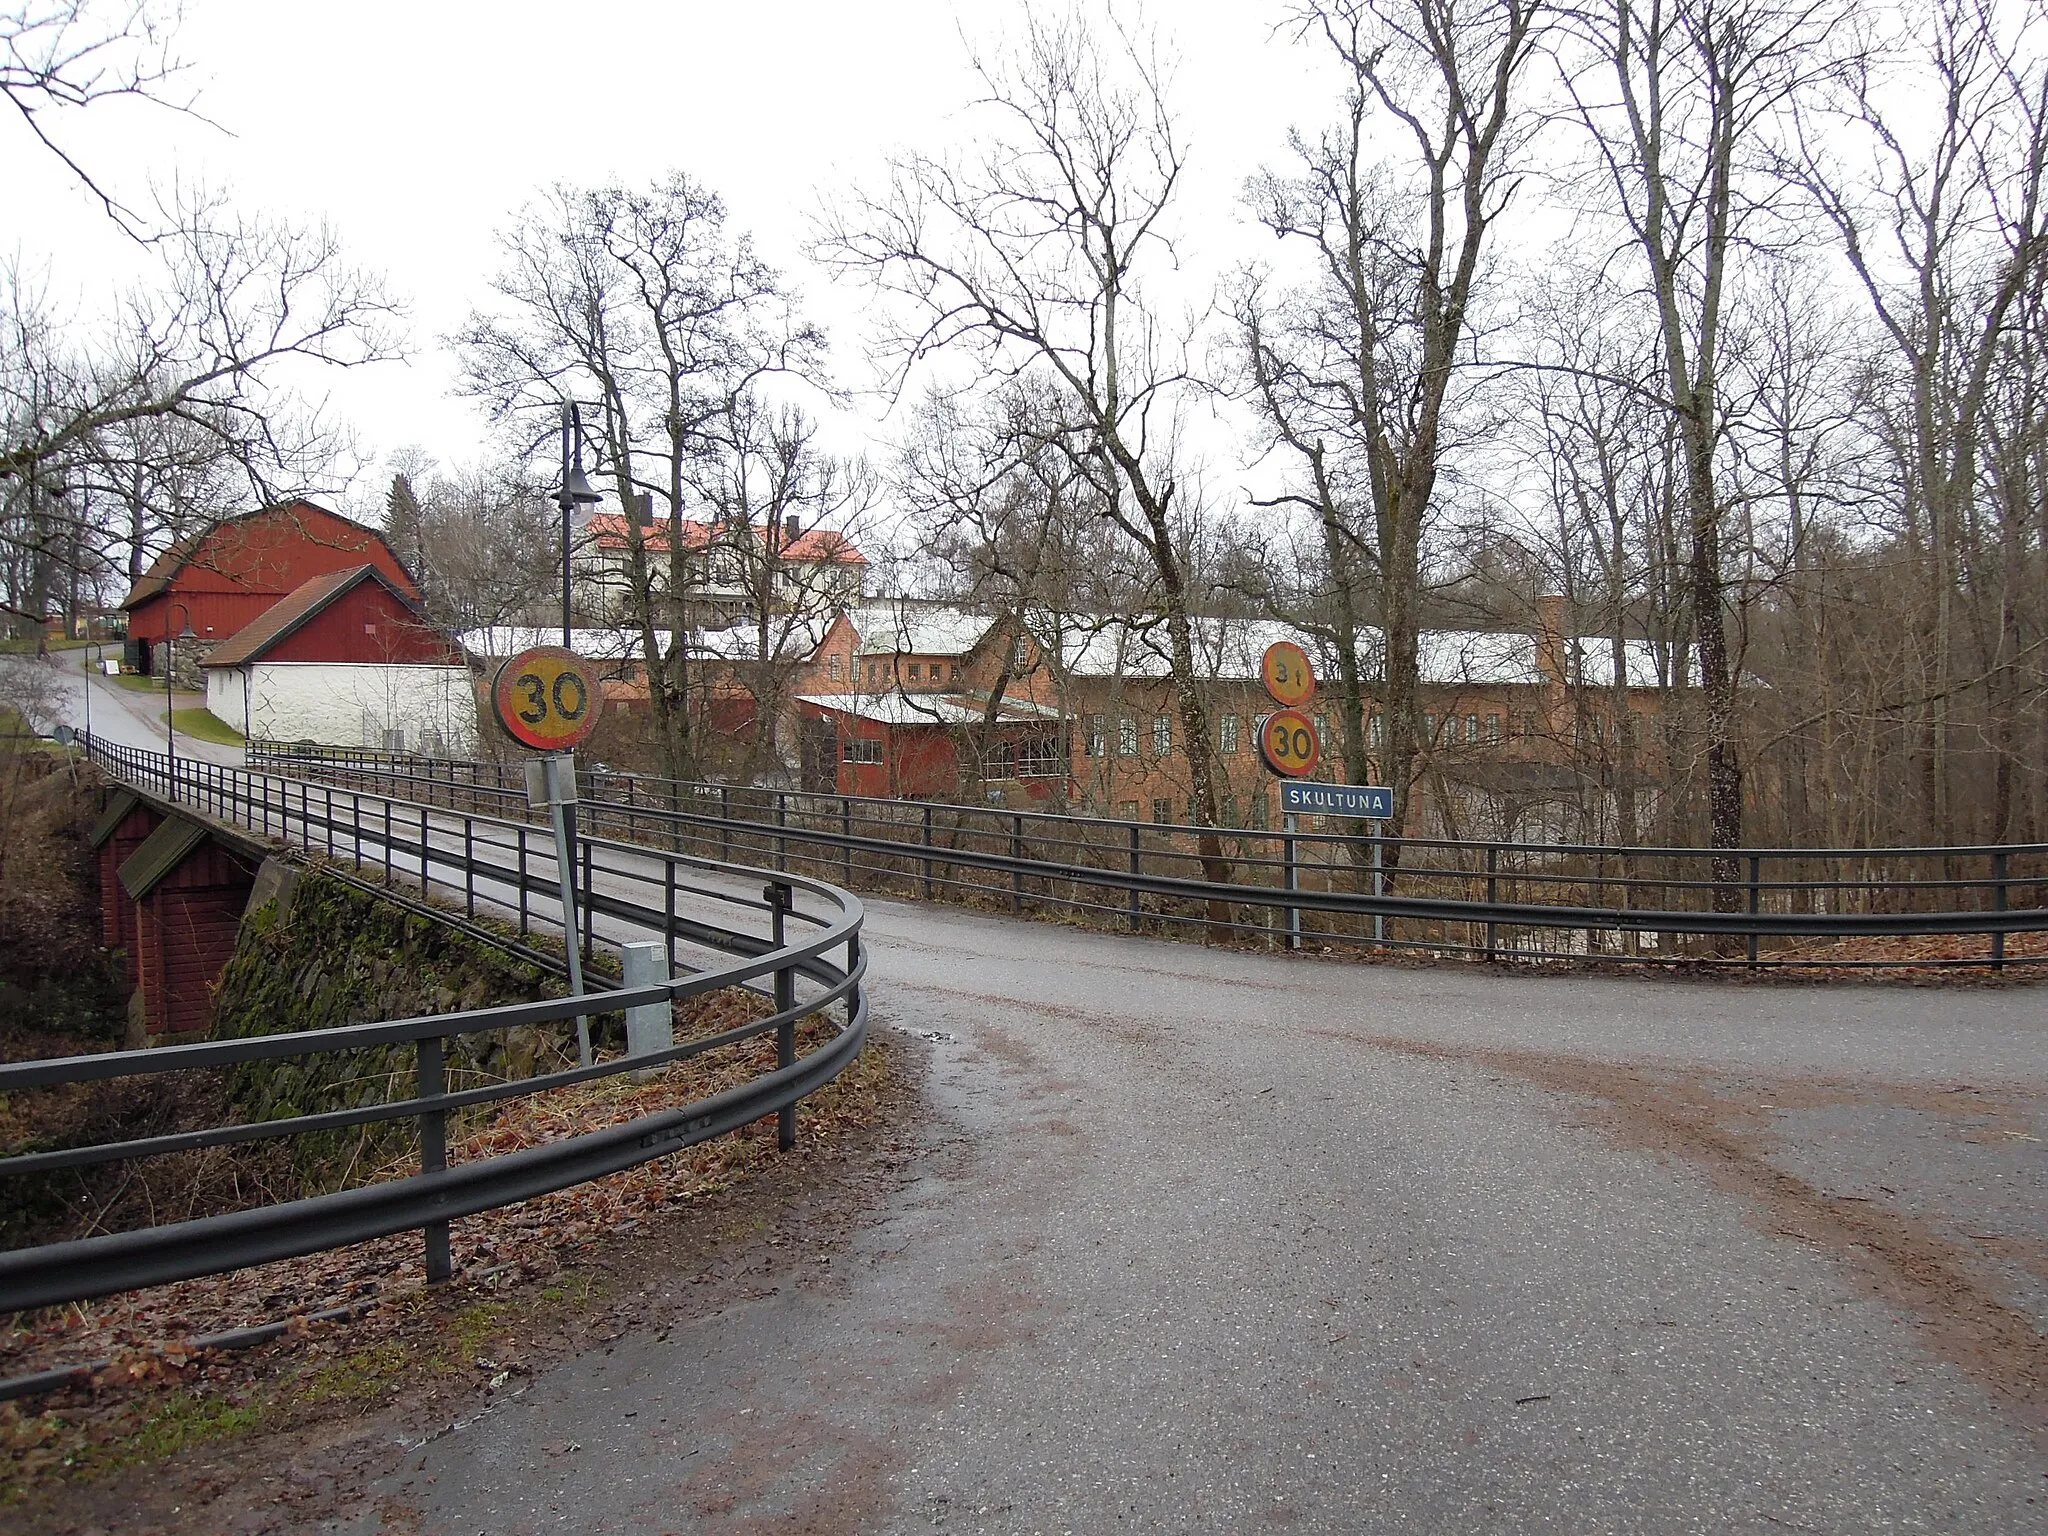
792	939
1320	884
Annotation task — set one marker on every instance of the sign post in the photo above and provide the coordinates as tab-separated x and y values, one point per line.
546	698
1287	741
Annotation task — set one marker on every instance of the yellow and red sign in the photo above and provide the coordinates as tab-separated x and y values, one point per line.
1287	675
546	698
1287	741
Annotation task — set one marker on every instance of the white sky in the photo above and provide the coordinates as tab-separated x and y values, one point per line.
416	130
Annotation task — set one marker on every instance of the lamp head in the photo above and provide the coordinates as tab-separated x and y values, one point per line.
576	490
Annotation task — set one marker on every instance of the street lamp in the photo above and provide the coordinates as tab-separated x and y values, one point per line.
92	661
576	491
170	661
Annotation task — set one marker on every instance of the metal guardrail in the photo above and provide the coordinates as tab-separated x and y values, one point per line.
484	860
1492	900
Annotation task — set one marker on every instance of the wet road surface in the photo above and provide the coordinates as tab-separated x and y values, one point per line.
1205	1240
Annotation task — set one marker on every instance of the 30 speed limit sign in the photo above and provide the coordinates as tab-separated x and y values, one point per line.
546	698
1287	741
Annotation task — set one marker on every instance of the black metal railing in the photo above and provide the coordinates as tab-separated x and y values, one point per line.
1315	884
476	871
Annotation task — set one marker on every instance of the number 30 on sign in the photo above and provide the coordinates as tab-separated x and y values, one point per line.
546	699
1287	741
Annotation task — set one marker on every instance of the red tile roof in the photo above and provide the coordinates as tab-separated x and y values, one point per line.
816	544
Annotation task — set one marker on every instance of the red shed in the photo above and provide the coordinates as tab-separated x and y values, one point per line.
228	576
124	826
189	893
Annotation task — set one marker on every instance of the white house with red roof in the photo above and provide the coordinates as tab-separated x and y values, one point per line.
731	568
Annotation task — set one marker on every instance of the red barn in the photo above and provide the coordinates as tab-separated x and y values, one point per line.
223	579
348	659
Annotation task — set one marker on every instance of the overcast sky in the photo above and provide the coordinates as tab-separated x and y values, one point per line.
416	130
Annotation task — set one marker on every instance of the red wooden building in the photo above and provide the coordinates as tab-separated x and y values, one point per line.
172	897
223	579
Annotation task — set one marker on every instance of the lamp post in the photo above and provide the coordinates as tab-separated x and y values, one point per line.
576	491
170	662
561	771
91	662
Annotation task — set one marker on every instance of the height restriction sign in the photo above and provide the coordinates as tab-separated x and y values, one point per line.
1285	672
546	698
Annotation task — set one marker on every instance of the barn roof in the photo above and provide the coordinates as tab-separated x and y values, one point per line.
288	613
165	568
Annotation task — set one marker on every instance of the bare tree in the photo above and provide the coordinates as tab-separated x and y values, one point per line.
1686	105
645	298
1028	260
782	513
1948	234
189	385
1355	374
59	56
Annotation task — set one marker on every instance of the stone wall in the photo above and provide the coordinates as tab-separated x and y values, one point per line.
317	954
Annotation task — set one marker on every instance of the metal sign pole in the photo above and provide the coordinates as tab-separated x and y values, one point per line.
1290	824
557	785
1379	881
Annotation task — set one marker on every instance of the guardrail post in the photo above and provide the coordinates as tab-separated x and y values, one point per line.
928	851
1492	895
1756	865
433	1082
1137	917
522	879
1017	852
780	899
1289	825
1999	871
846	836
468	860
782	836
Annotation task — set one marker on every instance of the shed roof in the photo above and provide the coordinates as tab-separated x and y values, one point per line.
161	852
120	804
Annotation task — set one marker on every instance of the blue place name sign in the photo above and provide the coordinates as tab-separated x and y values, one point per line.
1369	800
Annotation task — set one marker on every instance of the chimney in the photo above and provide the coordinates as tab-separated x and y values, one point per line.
1550	638
789	530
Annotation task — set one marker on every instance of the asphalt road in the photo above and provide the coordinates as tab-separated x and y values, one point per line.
1206	1240
122	716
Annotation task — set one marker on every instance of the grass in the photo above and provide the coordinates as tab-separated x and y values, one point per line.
54	643
206	726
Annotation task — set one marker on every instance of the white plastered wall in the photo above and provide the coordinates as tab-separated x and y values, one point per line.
340	704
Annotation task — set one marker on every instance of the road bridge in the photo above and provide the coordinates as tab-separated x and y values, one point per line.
1213	1240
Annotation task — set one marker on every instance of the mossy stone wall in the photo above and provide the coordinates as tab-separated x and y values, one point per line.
322	954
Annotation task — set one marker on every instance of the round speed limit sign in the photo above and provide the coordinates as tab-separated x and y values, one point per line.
1287	741
546	698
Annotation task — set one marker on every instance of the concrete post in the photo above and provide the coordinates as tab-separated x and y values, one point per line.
650	1027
